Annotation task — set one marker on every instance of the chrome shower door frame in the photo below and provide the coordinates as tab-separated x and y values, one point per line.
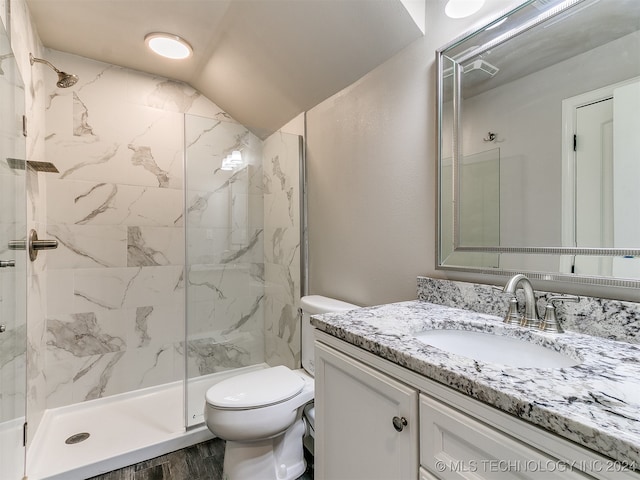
13	267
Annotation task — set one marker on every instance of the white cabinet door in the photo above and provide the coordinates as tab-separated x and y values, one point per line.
455	446
355	433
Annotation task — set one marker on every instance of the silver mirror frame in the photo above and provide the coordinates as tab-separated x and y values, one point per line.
456	155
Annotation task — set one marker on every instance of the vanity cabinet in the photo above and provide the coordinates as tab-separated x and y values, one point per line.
455	445
369	427
445	435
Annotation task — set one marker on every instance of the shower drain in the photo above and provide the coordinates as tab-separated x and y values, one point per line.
77	438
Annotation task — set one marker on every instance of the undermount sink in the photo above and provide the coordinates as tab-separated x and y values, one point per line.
495	348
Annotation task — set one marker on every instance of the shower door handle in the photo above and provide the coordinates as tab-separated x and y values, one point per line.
33	245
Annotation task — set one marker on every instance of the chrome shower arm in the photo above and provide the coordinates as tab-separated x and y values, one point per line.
33	60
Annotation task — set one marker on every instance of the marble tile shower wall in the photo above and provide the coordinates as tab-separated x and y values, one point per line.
115	308
225	266
282	249
600	317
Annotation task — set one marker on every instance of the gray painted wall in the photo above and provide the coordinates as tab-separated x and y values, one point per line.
371	158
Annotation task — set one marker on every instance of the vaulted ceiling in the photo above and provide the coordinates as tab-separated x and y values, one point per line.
262	61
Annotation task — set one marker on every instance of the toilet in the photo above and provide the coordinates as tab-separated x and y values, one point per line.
266	416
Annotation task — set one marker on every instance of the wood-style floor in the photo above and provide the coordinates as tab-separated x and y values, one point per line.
199	462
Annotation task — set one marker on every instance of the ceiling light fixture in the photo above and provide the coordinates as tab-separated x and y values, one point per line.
168	45
462	8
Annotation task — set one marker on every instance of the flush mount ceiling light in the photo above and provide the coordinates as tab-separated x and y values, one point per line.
168	45
462	8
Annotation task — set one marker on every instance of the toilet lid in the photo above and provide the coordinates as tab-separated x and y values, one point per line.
256	389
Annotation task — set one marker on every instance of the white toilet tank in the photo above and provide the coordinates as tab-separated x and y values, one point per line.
315	305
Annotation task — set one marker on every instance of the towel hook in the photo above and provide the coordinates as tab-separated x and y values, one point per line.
491	137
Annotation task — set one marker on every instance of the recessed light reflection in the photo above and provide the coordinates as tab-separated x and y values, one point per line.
462	8
168	45
495	25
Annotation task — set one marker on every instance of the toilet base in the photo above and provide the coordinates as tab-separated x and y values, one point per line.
276	458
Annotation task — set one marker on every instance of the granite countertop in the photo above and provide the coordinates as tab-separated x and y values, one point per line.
595	404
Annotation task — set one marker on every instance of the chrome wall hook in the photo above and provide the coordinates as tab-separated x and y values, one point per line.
491	137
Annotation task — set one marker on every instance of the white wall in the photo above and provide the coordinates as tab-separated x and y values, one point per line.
371	159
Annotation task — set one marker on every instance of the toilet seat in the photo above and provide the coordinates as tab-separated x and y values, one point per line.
232	411
258	389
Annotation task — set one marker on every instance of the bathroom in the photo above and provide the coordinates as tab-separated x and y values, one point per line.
370	160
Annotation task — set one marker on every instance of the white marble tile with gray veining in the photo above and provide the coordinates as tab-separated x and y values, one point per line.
155	246
142	155
12	372
73	379
225	281
81	335
140	367
143	147
594	404
88	203
281	161
215	352
88	246
215	246
208	142
82	351
282	333
112	289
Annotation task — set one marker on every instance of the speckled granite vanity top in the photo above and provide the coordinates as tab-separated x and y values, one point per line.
595	404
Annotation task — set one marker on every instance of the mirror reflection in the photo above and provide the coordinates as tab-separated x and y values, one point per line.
540	114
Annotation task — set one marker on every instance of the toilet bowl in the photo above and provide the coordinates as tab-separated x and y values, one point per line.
264	415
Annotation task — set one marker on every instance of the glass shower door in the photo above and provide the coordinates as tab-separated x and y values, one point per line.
242	228
224	260
12	267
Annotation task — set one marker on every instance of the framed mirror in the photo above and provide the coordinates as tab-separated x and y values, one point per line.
539	143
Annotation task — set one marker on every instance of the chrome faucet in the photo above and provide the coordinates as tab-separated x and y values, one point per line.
531	318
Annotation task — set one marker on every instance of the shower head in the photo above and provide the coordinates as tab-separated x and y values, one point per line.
65	80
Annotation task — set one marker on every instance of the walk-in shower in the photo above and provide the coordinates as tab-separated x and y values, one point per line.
174	269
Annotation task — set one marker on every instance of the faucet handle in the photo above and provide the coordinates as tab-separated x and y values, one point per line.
550	322
513	317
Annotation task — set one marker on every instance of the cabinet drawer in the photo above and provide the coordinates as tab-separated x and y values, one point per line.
454	445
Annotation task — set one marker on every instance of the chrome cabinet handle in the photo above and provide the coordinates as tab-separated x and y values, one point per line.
3	328
399	423
7	263
33	245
